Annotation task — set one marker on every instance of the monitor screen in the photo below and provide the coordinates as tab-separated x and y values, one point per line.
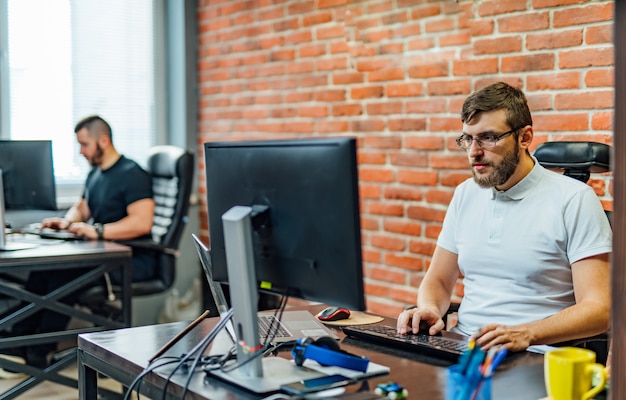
28	174
309	244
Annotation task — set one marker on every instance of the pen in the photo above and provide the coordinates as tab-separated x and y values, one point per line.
497	359
179	336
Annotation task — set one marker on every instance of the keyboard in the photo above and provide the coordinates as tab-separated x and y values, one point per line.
268	326
48	233
448	345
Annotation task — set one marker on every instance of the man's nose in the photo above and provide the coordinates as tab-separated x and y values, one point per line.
474	149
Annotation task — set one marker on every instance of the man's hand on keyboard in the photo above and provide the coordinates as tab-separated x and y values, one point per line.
414	319
55	223
513	338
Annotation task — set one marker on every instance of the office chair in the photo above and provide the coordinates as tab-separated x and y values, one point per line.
172	170
577	160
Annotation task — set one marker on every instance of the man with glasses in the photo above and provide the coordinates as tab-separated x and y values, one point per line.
532	245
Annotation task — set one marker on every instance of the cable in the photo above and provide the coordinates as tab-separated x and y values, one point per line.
143	373
201	345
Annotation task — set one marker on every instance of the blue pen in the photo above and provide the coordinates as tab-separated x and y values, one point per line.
497	359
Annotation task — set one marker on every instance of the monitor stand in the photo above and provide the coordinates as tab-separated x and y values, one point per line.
253	372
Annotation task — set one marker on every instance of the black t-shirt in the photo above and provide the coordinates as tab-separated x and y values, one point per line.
110	192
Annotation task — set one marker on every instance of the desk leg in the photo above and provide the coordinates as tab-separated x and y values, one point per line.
87	379
127	278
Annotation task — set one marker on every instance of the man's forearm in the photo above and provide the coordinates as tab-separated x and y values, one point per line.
575	322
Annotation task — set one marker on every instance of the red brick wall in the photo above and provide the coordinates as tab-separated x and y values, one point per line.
394	74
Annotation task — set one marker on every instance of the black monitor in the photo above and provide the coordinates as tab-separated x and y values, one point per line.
310	242
284	216
28	174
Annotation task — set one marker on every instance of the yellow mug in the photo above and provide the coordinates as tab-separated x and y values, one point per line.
569	373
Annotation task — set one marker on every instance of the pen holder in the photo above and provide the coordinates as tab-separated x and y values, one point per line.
471	386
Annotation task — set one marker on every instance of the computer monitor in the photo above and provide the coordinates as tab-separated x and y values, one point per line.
28	174
284	216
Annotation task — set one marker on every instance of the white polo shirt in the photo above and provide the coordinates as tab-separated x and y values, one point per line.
515	248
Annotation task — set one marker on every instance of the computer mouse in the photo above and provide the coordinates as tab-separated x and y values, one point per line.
333	314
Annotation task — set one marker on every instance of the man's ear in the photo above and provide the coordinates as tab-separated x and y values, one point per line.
526	136
104	141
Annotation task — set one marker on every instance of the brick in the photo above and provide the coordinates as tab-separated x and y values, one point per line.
530	21
334	127
405	262
340	110
347	78
586	58
599	34
376	175
421	247
387	74
366	92
534	62
404	89
388	242
383	142
584	100
602	121
367	156
450	87
425	213
330	95
600	78
426	106
316	19
495	7
428	70
386	208
408	159
554	40
330	32
475	67
402	193
560	122
385	108
583	15
553	81
435	196
335	63
422	178
498	45
410	228
407	124
424	142
387	275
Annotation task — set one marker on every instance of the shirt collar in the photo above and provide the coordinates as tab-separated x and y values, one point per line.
523	187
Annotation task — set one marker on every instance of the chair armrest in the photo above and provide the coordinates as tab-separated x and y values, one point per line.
150	245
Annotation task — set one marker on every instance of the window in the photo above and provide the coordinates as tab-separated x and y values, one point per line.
67	59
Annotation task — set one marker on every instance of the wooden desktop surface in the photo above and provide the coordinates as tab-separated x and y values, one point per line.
123	354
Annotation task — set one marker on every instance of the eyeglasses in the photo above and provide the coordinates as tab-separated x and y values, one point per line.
484	142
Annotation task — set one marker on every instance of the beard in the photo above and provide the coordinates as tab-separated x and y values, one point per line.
501	172
96	160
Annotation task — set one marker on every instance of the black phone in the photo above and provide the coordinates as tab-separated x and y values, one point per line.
317	384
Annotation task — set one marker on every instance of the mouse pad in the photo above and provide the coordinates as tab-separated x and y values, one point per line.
356	318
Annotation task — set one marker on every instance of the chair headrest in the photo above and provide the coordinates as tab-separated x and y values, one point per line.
583	156
162	161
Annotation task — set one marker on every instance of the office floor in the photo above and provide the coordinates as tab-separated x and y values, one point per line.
53	391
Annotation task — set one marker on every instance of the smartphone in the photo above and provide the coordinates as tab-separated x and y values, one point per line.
317	384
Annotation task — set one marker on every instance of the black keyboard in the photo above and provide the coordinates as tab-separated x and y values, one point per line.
447	345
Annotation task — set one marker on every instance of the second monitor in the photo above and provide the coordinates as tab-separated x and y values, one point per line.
28	174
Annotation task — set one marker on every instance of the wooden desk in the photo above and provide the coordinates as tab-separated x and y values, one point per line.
123	354
101	257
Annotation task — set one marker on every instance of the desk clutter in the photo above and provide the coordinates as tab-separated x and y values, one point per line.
470	379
